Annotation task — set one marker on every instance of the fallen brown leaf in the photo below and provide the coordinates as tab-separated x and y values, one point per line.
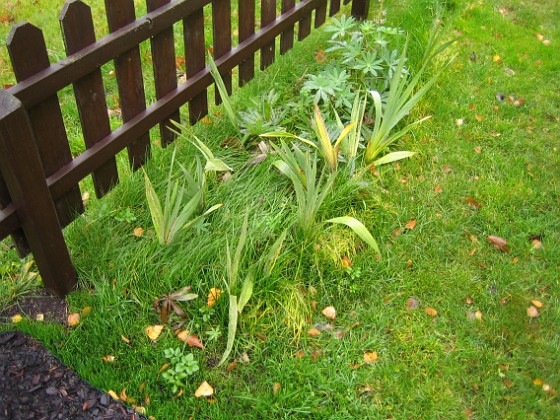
138	232
438	189
191	339
472	203
313	332
276	388
498	243
431	311
109	358
412	303
346	262
410	225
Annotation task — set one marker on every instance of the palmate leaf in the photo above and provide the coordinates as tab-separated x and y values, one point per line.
358	228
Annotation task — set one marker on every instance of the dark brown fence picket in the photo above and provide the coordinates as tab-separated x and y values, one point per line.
195	61
165	70
28	54
304	27
25	178
221	24
287	37
334	8
268	14
78	32
128	68
321	14
246	29
38	176
17	233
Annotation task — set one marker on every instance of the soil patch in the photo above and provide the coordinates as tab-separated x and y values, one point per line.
42	302
34	384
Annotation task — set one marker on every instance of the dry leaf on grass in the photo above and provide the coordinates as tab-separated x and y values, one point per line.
329	312
431	311
17	318
410	225
412	303
499	243
109	358
276	388
537	304
153	331
532	312
213	296
73	319
370	357
313	332
346	262
204	390
138	232
191	339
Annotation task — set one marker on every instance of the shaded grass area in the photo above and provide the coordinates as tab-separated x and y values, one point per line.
449	366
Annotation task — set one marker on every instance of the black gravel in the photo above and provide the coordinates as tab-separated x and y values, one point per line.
34	384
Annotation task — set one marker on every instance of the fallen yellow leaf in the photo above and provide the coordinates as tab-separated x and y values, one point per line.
213	296
86	311
40	317
17	318
113	394
276	388
139	409
538	381
153	331
346	262
497	59
138	232
431	311
329	312
109	358
370	357
313	332
126	340
73	319
537	304
204	390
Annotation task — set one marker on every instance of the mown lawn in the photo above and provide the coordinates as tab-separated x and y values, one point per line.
443	325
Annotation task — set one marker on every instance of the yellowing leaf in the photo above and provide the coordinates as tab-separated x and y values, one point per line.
113	394
153	331
86	311
537	303
438	189
346	262
538	381
431	311
276	388
17	318
329	312
497	59
410	225
40	317
109	358
191	339
478	315
370	357
204	390
126	340
138	232
139	409
73	319
532	312
213	296
313	332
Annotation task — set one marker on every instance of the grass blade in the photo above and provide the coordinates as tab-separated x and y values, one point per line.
358	228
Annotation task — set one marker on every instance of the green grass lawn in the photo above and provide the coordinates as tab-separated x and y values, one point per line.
444	310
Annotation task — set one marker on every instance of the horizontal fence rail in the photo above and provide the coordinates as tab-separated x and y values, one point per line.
39	177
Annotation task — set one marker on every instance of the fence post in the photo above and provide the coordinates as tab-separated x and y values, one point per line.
27	185
360	9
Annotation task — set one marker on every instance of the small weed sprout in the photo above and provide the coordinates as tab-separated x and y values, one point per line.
181	366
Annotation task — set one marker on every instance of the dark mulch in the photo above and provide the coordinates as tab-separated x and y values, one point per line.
36	385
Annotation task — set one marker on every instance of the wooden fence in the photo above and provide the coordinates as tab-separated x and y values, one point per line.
39	191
